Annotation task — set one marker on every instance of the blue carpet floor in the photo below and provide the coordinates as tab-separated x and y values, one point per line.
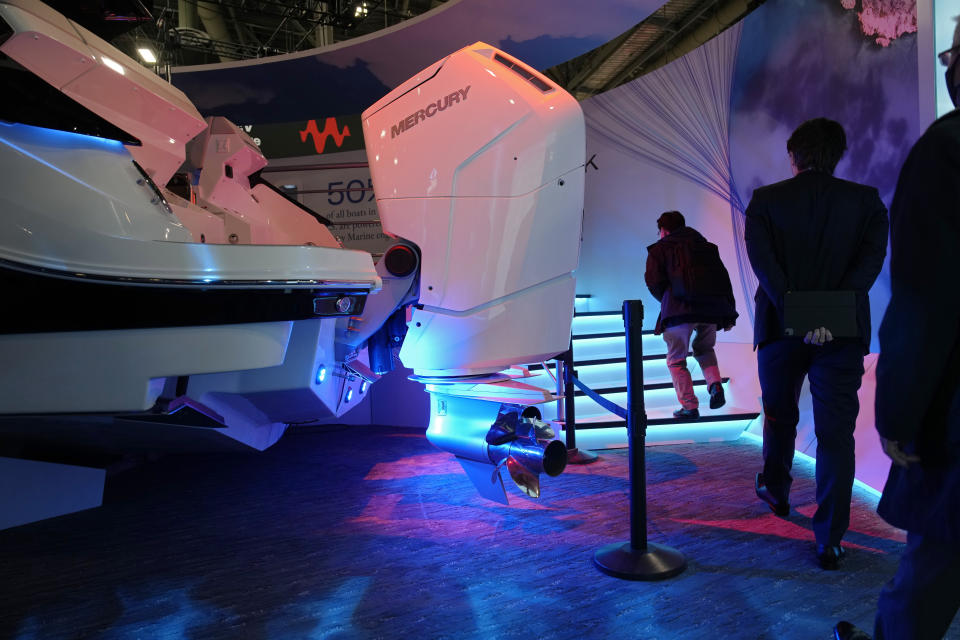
369	532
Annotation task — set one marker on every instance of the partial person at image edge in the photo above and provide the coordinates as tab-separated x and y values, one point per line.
918	385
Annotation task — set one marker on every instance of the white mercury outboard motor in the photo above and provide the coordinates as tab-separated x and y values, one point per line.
479	162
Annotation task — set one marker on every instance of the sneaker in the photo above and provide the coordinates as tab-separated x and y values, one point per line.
686	414
717	399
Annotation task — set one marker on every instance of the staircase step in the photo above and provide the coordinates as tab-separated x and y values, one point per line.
587	314
593	322
646	387
593	347
659	402
612	377
596	323
613	434
659	419
621	359
618	315
588	336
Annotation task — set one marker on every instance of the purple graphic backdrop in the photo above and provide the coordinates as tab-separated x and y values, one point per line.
801	59
349	77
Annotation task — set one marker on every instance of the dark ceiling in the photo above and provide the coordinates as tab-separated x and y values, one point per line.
189	32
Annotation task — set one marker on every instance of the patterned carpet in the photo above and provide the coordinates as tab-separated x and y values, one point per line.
369	532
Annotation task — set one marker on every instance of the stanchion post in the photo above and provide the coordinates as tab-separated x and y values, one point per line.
569	410
558	380
637	559
574	455
636	423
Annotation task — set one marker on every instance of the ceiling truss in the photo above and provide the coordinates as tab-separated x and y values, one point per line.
203	31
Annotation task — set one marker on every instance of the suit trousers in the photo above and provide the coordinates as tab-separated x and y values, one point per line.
923	597
835	370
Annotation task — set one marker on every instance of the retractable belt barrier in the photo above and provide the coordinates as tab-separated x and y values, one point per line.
612	407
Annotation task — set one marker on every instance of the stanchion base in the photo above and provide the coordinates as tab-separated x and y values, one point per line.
579	456
657	562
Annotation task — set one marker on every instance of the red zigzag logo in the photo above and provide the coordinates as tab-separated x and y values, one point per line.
330	130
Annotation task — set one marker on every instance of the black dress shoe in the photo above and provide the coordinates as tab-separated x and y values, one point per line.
847	631
830	557
717	399
687	414
779	507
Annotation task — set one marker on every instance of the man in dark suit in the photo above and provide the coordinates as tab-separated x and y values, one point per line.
684	272
918	384
813	232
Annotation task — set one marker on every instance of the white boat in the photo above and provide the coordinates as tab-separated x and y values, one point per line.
160	295
127	303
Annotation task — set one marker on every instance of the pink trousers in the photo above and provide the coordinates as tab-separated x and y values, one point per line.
678	345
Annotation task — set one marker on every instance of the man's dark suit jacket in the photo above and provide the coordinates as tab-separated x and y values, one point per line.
918	373
814	232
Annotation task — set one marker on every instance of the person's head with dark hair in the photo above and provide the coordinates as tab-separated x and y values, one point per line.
670	221
951	60
817	144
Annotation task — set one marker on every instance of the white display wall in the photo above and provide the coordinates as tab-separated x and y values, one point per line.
654	148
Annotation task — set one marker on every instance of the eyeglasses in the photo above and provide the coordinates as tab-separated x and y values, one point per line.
947	56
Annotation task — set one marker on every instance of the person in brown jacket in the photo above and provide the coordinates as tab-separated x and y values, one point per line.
684	272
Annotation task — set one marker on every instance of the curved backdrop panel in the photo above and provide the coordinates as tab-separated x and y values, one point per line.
350	76
701	133
660	143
